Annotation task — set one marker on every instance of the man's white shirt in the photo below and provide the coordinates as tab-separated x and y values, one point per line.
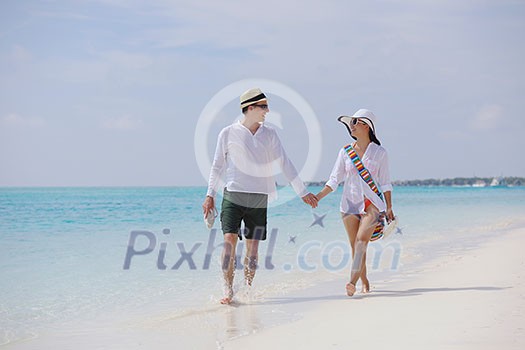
250	162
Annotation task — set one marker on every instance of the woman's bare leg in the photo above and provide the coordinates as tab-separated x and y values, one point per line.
364	233
351	223
364	279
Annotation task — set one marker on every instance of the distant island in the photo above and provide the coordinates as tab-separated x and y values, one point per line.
457	181
466	181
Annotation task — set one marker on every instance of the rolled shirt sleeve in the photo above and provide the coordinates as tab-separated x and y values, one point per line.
338	171
218	165
287	167
384	182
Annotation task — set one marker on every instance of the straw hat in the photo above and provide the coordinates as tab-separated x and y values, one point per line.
251	97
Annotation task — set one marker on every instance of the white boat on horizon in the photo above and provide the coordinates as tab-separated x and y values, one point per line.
498	182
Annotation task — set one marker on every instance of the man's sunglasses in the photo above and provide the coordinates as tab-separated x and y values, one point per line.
262	106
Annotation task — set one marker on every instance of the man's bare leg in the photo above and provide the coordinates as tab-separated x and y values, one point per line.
250	261
228	265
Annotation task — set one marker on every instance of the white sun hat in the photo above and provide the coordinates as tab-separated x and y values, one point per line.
364	115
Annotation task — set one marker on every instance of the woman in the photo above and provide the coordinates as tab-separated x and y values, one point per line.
362	209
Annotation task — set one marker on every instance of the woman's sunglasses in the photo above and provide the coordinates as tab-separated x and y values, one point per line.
355	121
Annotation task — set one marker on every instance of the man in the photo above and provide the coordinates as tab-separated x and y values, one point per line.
247	151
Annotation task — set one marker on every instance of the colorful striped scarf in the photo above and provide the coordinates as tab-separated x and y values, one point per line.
365	175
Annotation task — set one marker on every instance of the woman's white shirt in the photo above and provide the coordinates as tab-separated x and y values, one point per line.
375	159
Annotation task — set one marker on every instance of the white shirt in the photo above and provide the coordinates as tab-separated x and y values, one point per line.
249	161
355	189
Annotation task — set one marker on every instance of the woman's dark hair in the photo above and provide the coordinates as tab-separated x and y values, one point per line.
371	134
373	137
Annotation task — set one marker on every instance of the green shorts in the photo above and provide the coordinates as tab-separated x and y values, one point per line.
250	208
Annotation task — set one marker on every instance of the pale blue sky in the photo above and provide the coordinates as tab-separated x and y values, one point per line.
108	92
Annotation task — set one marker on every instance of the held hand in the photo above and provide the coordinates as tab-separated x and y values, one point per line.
208	205
311	200
390	215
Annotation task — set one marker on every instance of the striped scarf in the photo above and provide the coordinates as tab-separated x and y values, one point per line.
365	175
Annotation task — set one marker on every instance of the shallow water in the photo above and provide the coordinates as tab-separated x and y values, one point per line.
63	250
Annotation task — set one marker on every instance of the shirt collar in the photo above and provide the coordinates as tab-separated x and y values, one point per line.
261	128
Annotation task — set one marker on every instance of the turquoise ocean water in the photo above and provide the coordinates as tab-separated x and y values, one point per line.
63	250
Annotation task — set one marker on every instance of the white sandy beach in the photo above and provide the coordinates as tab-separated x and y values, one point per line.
471	298
474	299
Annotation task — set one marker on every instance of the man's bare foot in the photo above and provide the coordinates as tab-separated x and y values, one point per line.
228	297
350	289
226	301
